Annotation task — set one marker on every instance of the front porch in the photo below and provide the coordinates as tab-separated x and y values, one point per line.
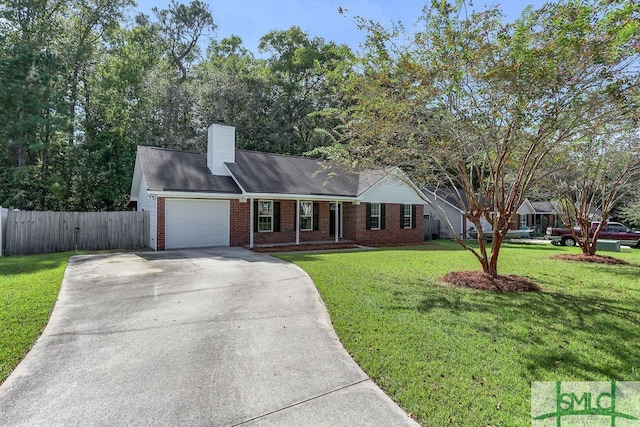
287	222
327	245
295	222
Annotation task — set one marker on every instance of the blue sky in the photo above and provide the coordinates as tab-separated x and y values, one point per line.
251	19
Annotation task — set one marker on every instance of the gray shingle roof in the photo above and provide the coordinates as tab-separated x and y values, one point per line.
169	170
279	174
263	173
453	197
544	207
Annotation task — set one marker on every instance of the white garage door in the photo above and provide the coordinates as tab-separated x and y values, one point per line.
196	223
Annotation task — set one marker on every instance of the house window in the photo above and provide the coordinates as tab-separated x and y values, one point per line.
523	221
306	216
375	219
265	215
375	216
407	216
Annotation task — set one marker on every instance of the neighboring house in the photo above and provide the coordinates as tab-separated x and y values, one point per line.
447	203
595	214
245	198
537	215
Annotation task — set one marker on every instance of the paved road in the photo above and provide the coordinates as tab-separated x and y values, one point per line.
216	337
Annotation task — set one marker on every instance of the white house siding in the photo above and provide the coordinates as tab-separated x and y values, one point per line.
486	225
452	214
392	190
149	204
221	148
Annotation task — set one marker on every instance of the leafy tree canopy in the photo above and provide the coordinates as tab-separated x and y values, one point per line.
473	103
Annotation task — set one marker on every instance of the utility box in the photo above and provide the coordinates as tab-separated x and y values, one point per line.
608	245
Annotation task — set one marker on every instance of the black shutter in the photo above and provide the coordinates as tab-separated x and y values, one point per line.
276	216
382	218
368	216
255	216
316	216
401	217
414	212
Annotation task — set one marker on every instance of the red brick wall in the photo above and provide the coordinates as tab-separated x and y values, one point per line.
355	217
287	233
515	224
240	215
354	225
160	224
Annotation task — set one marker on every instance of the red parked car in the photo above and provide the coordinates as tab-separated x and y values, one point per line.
610	231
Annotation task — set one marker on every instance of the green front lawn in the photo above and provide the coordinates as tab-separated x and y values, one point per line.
452	356
29	287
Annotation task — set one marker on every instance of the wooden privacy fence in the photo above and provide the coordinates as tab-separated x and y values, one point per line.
32	232
431	229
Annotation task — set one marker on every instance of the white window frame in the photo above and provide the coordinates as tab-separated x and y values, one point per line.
263	216
378	215
407	217
308	215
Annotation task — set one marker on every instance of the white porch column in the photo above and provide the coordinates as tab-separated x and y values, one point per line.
336	232
297	222
251	213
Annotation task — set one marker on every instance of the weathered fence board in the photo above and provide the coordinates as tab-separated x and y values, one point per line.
32	232
4	212
431	229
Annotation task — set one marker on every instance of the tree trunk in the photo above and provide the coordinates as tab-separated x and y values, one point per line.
591	247
496	244
73	100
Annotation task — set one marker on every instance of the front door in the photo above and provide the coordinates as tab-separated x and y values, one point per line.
332	220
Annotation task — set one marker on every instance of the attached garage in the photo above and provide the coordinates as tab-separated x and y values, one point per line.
196	223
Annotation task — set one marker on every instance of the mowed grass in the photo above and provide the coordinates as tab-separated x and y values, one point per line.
29	287
452	356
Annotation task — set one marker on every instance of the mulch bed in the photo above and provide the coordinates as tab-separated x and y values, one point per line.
599	259
308	247
484	281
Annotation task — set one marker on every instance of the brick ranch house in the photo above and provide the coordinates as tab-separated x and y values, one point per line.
230	197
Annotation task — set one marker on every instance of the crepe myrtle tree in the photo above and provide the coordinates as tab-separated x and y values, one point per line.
630	211
598	173
475	104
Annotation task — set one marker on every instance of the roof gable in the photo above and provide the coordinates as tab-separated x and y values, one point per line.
393	187
454	198
526	208
137	179
544	207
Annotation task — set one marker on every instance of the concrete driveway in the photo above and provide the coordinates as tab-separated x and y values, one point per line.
216	337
